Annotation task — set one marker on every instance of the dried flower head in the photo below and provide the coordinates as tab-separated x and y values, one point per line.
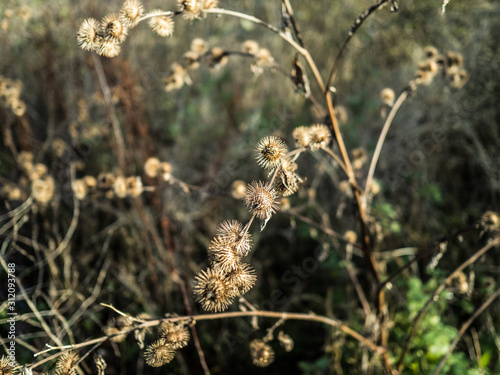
66	363
231	231
320	136
191	9
120	187
43	189
151	167
198	46
176	335
113	29
260	200
108	48
250	46
459	283
222	254
209	4
238	188
7	367
454	58
87	36
285	341
387	96
100	364
116	325
287	181
431	52
270	151
264	57
161	23
79	188
212	290
130	13
242	279
134	186
262	354
159	353
302	136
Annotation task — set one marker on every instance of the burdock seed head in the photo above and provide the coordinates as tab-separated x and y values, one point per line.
113	29
242	279
222	254
212	290
87	36
270	151
176	335
320	136
262	354
159	353
66	363
162	24
302	136
260	200
231	231
130	13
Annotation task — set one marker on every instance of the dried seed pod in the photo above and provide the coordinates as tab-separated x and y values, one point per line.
261	200
43	189
116	325
285	341
231	231
222	254
177	336
242	279
113	29
212	290
130	13
7	367
270	151
87	37
302	136
262	353
159	353
387	96
66	363
162	24
151	167
320	137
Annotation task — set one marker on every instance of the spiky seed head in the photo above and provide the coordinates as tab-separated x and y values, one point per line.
431	52
454	58
151	167
120	187
270	151
176	335
242	279
159	353
116	325
287	181
209	4
113	29
87	36
66	363
162	24
7	367
130	13
238	188
100	364
250	46
212	290
262	353
387	96
261	200
231	231
320	136
108	48
191	9
134	186
302	136
223	254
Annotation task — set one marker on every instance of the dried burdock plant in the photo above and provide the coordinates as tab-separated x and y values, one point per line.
213	290
261	200
66	363
262	353
159	353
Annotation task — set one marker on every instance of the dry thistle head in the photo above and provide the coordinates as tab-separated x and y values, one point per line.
159	353
88	35
79	188
454	59
387	96
115	325
151	167
242	279
43	189
287	181
262	353
108	48
270	151
459	283
162	24
261	200
223	255
285	341
191	9
212	290
250	46
66	363
130	13
302	136
231	231
264	57
120	187
238	188
134	186
7	367
113	29
177	336
100	364
320	137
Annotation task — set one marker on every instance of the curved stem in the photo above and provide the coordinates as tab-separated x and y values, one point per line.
380	143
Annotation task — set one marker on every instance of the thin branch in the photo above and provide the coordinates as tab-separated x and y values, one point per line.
464	328
434	296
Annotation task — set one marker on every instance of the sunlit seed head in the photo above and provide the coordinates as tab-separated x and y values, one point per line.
262	353
209	4
260	200
270	151
43	189
18	107
212	290
242	279
454	59
90	181
151	167
114	327
113	29
238	189
198	46
191	9
431	52
190	60
302	136
159	353
134	186
285	341
320	136
287	181
162	24
387	96
120	187
87	36
108	48
231	231
66	363
79	189
223	254
130	13
176	335
250	46
218	58
7	366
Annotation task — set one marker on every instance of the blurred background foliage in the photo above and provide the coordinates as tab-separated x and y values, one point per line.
438	173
